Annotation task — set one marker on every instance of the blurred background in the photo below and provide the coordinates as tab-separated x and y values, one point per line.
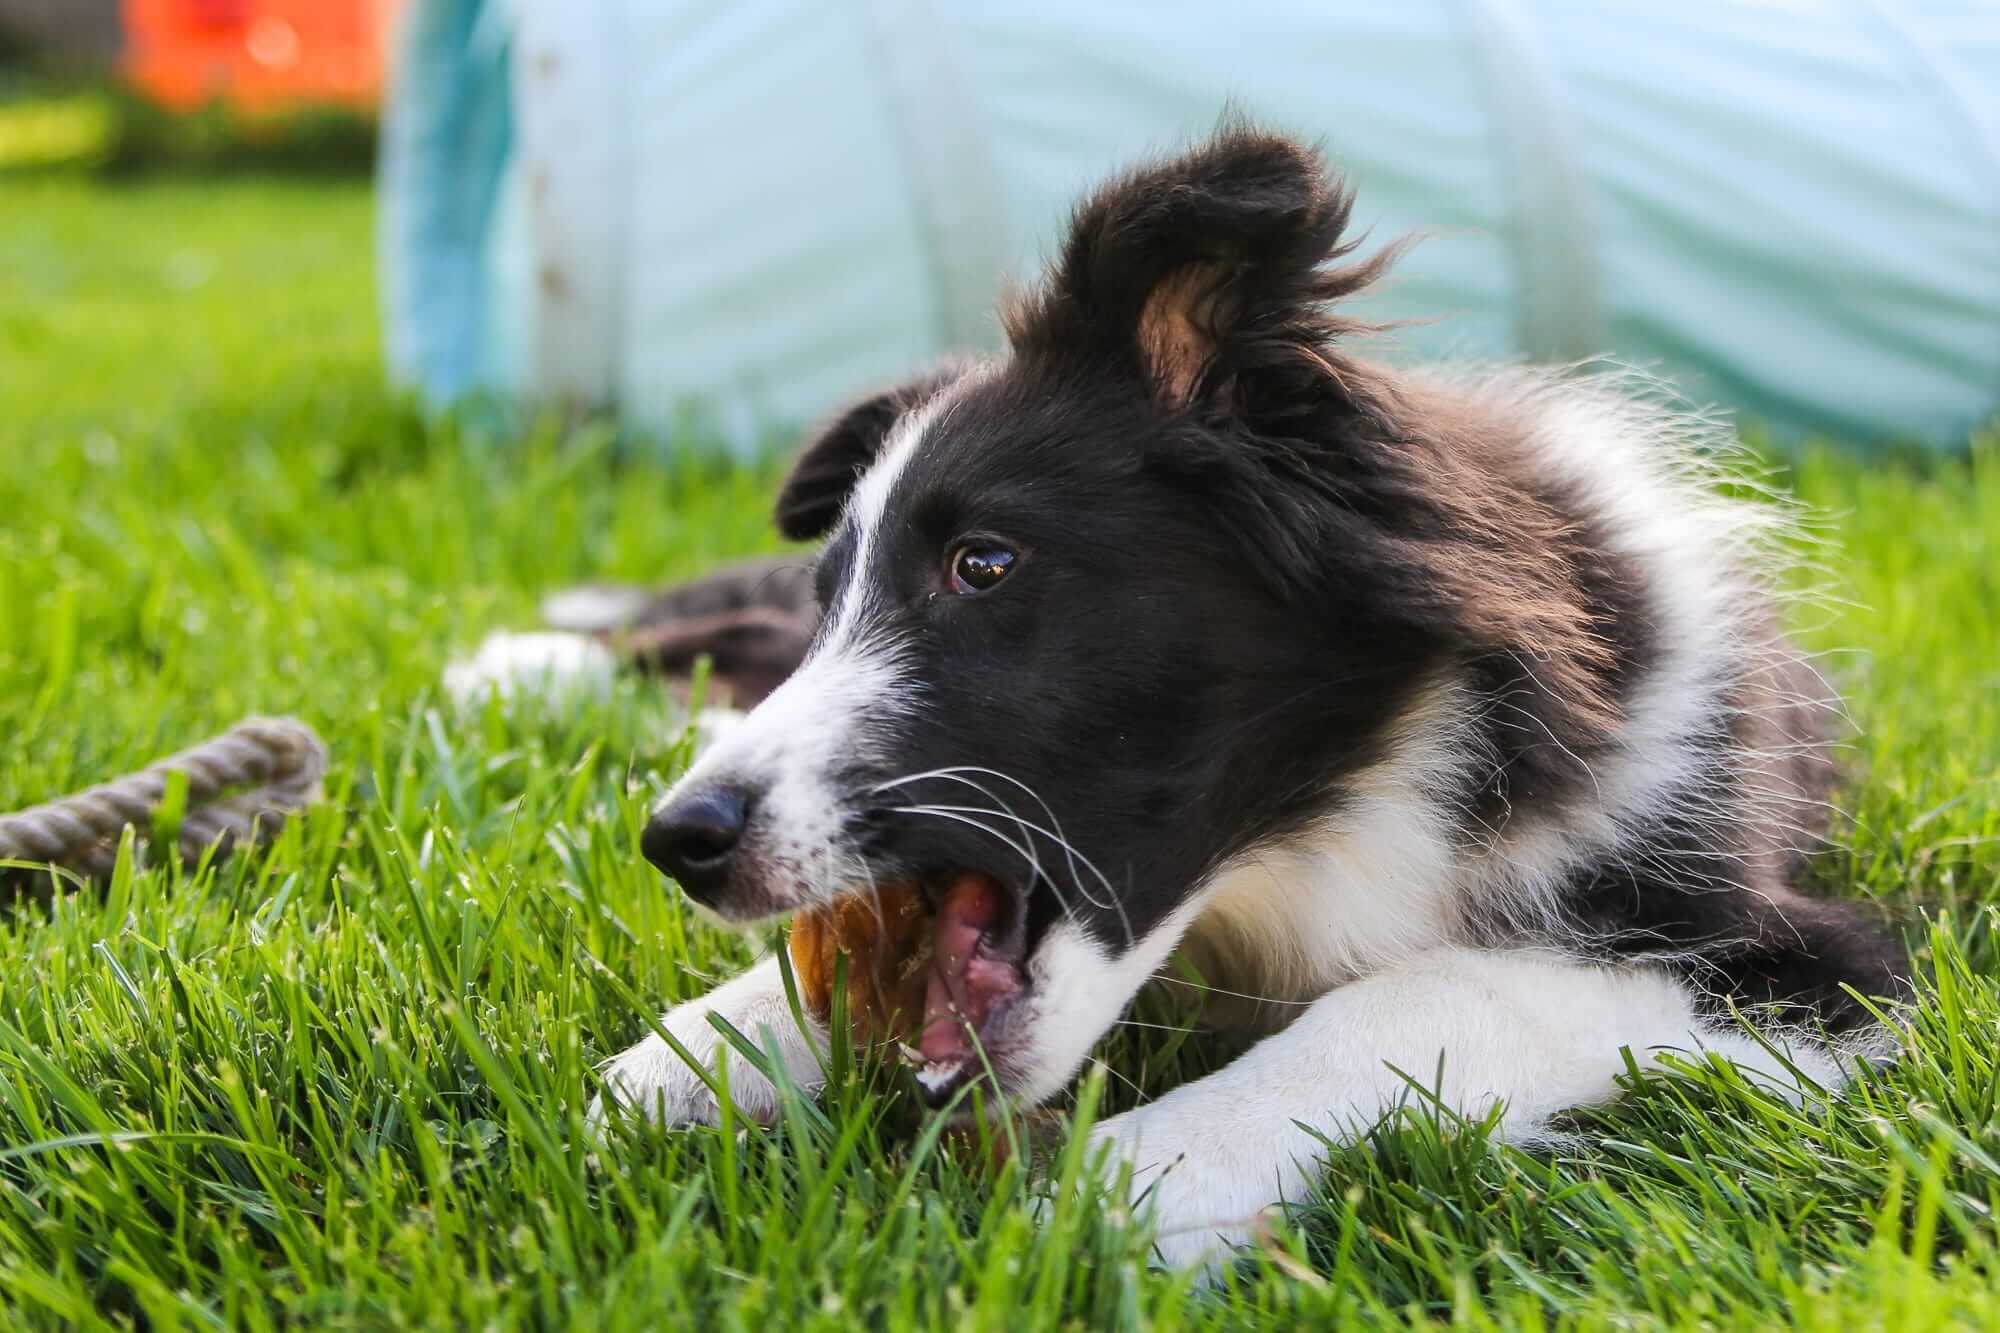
123	85
716	222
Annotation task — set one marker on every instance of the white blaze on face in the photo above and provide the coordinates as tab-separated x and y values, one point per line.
832	713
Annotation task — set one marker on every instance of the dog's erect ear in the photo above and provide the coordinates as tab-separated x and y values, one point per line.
825	471
1204	269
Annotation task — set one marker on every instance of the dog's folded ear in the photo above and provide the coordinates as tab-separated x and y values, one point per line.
825	471
1205	270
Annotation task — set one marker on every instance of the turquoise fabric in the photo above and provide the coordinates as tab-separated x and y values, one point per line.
446	148
739	215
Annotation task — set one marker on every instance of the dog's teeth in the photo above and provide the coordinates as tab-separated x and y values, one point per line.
939	1074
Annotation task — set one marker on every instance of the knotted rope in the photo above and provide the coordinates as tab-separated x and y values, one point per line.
277	759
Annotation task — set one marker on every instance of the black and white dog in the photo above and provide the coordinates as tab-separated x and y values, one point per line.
1444	718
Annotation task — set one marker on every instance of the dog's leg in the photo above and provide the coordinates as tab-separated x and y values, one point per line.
548	665
1535	1033
651	1078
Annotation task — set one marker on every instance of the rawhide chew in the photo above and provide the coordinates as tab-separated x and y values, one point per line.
886	936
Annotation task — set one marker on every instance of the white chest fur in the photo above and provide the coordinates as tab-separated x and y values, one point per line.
1369	884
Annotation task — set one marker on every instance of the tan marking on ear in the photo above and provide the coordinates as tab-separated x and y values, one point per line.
1176	330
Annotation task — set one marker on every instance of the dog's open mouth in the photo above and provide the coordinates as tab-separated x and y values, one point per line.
979	939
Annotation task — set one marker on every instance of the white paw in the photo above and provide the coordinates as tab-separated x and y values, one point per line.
550	666
1202	1196
651	1079
713	725
594	607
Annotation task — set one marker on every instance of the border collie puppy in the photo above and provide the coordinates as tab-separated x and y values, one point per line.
1443	718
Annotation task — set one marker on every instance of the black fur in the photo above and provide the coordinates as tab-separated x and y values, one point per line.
823	474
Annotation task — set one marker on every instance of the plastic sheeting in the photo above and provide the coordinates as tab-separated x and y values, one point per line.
734	216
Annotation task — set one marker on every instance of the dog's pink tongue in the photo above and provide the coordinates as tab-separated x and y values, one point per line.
966	980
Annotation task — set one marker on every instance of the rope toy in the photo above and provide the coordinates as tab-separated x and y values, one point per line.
279	760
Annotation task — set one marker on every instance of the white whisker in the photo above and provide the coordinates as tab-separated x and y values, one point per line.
1113	902
1234	994
1027	852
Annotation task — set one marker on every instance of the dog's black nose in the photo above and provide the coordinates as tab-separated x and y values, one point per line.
694	838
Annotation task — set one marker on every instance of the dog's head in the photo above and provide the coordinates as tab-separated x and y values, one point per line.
1098	617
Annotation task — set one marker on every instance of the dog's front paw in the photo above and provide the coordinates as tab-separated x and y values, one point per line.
650	1078
550	666
1203	1199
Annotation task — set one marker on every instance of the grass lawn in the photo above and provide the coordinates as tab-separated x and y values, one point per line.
341	1082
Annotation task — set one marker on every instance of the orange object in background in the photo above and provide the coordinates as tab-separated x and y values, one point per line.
257	54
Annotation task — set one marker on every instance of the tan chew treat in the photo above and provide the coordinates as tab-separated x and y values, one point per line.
887	939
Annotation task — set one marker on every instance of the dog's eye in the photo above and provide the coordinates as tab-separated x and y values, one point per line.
977	566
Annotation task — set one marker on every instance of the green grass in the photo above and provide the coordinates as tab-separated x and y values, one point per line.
341	1081
49	124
